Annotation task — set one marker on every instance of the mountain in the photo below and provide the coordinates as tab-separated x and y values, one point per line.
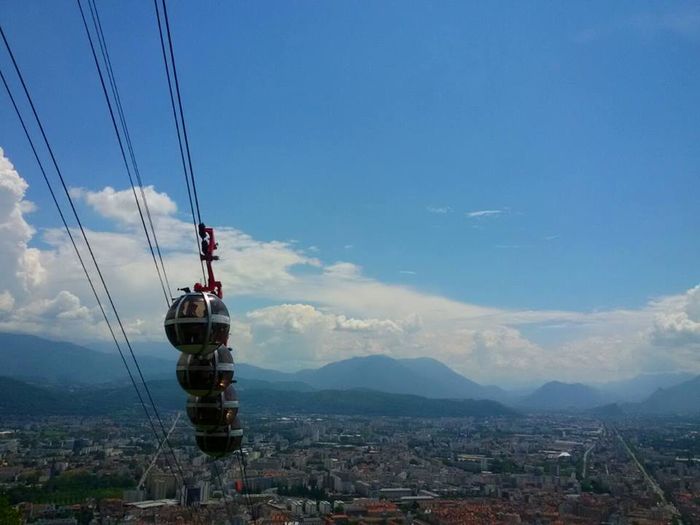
285	386
370	403
642	386
563	396
35	359
679	399
20	398
44	362
424	376
263	374
55	362
451	382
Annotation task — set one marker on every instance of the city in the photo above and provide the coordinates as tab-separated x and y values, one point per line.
537	468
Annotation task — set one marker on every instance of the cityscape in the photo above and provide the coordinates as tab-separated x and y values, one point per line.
534	468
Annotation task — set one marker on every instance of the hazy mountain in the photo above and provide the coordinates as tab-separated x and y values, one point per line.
679	399
36	359
370	403
20	398
159	349
46	362
33	358
242	384
247	371
424	376
642	386
379	372
563	396
451	381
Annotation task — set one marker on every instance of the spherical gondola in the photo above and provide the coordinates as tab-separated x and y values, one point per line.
213	411
205	375
197	323
220	441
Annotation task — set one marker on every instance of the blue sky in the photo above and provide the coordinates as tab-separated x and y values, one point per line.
367	132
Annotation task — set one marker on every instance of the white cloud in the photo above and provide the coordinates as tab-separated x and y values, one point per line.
677	324
439	210
291	317
483	214
478	214
327	312
343	270
7	302
20	265
121	206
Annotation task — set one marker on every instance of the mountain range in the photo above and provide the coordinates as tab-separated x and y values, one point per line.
556	395
55	363
19	397
422	376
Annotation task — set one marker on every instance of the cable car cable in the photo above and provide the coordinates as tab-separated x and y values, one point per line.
120	110
87	242
150	245
177	129
166	293
244	474
182	114
223	493
80	259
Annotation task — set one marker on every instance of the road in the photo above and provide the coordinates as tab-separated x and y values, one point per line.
585	460
652	483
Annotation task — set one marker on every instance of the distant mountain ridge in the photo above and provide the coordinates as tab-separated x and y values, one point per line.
40	361
683	398
423	376
36	359
556	395
642	386
19	398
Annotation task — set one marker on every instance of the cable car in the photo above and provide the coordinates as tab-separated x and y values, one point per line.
205	375
220	441
197	323
213	411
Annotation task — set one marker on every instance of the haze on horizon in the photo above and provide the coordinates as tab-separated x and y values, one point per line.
512	190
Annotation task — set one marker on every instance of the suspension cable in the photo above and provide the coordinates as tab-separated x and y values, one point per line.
115	92
89	247
166	293
80	259
244	474
179	102
195	222
223	493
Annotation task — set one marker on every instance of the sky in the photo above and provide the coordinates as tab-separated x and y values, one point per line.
512	189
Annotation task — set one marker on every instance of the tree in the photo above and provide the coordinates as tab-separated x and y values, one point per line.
8	515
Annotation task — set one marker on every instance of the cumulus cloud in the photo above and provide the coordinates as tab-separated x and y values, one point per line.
286	319
121	205
678	321
306	335
16	259
6	301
